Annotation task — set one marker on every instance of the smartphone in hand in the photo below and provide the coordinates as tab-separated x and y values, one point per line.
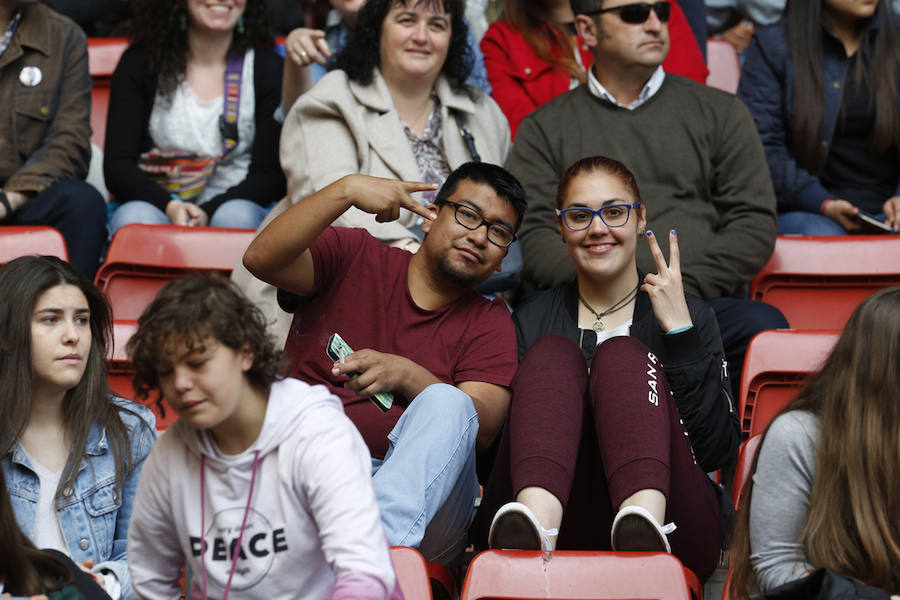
870	222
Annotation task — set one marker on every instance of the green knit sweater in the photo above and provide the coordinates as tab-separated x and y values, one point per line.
699	165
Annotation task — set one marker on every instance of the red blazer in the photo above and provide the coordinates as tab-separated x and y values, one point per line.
521	81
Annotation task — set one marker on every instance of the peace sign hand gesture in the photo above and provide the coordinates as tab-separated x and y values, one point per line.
385	197
665	287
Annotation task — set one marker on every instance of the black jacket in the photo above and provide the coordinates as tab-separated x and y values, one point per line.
693	361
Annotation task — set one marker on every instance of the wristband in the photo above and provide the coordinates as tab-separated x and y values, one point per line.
176	197
5	202
679	330
824	205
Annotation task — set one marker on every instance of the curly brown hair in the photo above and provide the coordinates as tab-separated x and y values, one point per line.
161	27
189	312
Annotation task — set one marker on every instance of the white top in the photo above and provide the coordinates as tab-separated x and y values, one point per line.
622	330
47	532
313	529
650	88
185	122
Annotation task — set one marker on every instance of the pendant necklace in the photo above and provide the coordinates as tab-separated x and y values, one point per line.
598	325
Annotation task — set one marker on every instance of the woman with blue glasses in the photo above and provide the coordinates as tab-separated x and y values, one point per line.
620	402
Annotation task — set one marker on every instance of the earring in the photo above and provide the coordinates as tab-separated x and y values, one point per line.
240	25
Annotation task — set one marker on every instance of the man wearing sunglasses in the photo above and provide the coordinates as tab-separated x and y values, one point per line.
416	329
694	150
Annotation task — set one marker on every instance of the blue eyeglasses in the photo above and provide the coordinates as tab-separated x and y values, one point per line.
578	218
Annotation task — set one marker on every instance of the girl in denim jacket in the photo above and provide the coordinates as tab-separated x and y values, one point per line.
71	452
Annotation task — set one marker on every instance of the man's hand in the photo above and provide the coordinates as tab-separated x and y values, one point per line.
385	197
844	213
665	287
382	372
186	213
891	210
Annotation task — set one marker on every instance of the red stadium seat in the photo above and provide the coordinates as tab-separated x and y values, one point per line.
143	258
527	574
121	373
776	364
22	240
742	473
412	573
103	56
816	282
724	65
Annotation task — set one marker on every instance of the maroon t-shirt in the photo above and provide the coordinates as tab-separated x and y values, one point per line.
361	293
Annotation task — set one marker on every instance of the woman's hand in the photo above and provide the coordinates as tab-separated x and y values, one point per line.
844	213
891	210
665	287
186	213
305	46
86	566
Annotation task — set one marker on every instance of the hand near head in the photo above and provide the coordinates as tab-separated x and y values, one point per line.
891	210
665	287
186	213
844	213
385	197
305	46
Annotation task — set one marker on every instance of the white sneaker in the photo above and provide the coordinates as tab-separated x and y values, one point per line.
635	529
516	528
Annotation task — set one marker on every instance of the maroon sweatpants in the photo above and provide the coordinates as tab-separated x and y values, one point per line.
593	440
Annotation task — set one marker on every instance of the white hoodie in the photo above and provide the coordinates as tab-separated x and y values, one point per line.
312	530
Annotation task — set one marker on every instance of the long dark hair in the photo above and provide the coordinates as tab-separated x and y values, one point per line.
878	71
361	56
25	570
22	281
532	18
853	525
161	27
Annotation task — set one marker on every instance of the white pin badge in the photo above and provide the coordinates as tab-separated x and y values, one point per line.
30	76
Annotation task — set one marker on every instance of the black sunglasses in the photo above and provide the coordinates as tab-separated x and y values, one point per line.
637	12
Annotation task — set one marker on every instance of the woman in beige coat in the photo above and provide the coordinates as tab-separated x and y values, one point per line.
396	106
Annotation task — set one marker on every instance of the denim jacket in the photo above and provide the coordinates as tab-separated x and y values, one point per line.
767	87
93	517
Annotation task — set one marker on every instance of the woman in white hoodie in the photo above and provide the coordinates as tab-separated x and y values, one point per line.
263	486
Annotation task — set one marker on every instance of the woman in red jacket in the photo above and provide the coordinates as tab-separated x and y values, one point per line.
533	55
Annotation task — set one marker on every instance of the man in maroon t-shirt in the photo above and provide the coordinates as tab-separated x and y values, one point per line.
418	329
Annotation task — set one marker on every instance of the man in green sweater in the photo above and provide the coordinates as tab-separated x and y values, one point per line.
694	150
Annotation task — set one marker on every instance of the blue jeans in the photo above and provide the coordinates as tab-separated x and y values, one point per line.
426	484
799	222
241	214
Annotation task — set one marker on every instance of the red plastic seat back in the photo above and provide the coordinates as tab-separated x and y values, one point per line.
121	374
412	573
143	258
525	574
742	473
103	56
776	365
817	281
724	65
19	240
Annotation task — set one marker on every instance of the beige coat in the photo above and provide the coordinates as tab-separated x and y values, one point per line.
340	127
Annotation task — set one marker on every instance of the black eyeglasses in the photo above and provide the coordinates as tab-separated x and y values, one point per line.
637	12
614	215
471	219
